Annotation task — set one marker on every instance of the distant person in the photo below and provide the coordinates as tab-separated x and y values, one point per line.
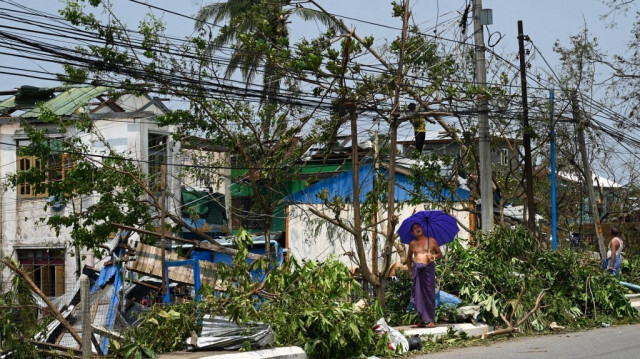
419	127
397	266
613	262
423	251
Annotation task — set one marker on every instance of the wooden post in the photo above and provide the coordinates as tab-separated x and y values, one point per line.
526	136
286	232
86	317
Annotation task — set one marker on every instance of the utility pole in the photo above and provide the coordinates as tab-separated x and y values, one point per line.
554	210
163	261
227	195
595	214
374	237
484	134
526	136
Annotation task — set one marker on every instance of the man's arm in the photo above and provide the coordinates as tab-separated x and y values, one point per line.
615	244
410	259
436	249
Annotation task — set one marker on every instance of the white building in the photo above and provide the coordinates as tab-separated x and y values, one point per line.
311	238
126	123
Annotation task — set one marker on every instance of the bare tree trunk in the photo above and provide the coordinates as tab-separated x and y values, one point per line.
392	219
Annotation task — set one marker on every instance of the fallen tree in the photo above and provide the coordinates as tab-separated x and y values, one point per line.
508	272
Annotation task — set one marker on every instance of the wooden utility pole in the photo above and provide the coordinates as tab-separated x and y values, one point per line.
227	196
595	214
163	261
526	136
484	133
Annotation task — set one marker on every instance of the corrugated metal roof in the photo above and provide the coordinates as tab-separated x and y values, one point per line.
8	103
66	103
342	185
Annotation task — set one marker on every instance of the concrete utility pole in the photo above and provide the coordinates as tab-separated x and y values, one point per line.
85	299
526	136
554	211
163	261
374	237
595	214
484	134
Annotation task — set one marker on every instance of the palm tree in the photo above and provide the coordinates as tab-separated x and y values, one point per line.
266	21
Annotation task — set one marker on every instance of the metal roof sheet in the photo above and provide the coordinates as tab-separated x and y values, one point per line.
66	103
342	185
8	103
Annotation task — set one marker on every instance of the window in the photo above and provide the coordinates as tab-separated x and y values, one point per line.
25	163
46	268
504	156
58	166
157	157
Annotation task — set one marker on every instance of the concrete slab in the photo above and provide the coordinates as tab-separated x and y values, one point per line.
273	353
441	330
634	300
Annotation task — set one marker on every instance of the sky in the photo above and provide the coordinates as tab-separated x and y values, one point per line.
544	21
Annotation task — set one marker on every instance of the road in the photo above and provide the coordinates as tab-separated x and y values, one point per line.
619	342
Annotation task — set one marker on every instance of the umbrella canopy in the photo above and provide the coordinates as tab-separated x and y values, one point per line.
436	224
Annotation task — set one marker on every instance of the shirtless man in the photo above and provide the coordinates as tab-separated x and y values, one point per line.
423	251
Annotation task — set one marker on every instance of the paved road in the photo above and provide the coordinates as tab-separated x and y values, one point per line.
622	342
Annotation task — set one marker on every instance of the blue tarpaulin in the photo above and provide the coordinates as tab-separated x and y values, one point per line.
106	273
342	185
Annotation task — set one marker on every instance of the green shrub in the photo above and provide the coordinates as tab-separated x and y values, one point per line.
161	329
508	262
307	304
19	321
397	298
313	310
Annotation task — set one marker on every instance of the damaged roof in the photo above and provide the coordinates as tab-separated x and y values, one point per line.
64	104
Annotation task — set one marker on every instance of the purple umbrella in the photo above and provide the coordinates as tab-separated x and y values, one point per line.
436	224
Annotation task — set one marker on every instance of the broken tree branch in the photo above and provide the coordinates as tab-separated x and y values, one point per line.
511	327
52	307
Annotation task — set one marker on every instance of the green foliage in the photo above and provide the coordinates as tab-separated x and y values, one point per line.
314	310
630	268
19	321
306	304
121	183
508	262
397	298
161	329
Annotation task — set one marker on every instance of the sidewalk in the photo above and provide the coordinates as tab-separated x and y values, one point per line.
273	353
441	330
298	353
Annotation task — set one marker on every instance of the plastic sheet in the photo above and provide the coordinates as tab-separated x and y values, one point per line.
397	341
221	333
